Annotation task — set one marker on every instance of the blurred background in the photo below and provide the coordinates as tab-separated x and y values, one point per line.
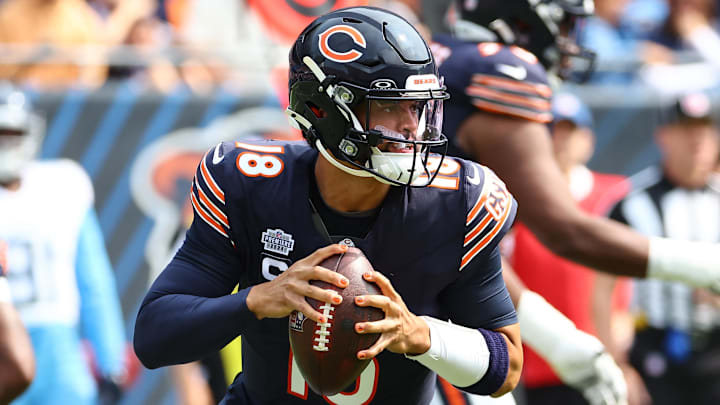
137	90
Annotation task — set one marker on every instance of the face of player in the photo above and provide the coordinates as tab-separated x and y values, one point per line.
572	145
690	151
398	119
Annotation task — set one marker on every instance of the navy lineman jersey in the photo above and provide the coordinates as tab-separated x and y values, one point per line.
253	219
490	77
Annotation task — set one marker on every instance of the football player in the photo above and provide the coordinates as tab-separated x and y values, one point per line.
365	92
17	362
61	280
499	66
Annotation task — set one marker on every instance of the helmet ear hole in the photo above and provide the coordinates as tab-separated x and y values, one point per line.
317	111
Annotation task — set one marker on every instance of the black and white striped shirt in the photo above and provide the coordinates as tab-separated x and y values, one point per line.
656	207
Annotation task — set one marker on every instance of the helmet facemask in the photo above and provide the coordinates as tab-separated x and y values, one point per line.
361	145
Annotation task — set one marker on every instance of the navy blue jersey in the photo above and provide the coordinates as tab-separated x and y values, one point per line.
438	246
490	77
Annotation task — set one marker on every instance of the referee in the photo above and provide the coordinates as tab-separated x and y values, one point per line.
677	342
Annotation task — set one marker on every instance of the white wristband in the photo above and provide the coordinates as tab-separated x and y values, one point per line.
694	263
4	290
458	354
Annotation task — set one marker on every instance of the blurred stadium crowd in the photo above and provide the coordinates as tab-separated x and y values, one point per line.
119	81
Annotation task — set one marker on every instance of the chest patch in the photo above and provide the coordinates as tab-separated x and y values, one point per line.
276	240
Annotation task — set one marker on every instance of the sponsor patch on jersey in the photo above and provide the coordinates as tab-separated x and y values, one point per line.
296	321
276	240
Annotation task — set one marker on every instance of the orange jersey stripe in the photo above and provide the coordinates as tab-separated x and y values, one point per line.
542	118
219	215
453	396
478	228
206	217
476	208
529	102
486	240
542	90
217	192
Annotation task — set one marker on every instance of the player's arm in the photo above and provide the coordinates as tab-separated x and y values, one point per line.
101	316
520	152
479	351
578	358
477	360
189	311
17	361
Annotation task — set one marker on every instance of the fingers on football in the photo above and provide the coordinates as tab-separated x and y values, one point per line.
382	282
377	301
320	294
375	349
383	325
325	252
310	312
328	276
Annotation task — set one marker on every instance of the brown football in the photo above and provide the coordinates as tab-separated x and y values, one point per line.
327	353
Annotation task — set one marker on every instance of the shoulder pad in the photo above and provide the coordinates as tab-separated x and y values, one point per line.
509	80
499	79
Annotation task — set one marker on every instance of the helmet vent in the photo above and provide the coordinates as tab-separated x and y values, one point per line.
351	20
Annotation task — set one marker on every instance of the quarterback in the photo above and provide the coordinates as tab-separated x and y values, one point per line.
365	92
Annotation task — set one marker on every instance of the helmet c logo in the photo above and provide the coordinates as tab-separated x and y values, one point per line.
342	57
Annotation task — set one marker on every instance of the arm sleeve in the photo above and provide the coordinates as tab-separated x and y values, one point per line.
188	312
490	211
101	316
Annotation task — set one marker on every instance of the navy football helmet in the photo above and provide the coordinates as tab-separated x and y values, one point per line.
21	132
547	28
342	67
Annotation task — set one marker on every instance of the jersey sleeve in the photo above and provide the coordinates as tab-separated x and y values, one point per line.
490	213
101	316
189	311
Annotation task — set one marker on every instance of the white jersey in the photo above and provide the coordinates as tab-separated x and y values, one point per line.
41	222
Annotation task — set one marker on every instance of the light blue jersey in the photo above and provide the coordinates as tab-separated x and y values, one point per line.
62	282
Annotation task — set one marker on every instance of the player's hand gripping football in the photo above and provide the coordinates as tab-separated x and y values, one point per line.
279	297
582	363
401	330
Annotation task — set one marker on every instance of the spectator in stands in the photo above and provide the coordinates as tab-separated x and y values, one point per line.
615	40
145	43
676	347
31	32
566	285
691	25
119	17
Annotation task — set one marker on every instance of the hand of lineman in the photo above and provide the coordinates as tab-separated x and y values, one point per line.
582	363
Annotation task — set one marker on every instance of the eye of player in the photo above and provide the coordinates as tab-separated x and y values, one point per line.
393	106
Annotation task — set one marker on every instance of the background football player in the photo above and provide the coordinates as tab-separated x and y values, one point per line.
496	68
62	283
365	92
17	361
